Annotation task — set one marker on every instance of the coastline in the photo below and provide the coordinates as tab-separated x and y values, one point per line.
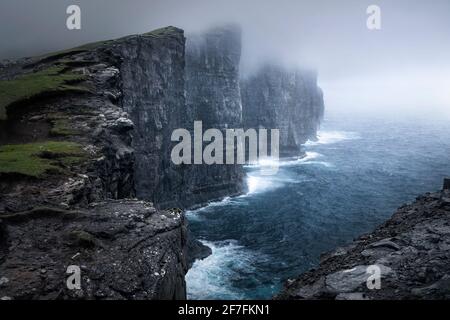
411	249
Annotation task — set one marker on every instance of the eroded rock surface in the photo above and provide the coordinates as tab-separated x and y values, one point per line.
87	138
213	96
125	249
288	100
412	251
86	132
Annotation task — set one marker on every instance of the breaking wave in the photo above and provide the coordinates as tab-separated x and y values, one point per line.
213	276
330	137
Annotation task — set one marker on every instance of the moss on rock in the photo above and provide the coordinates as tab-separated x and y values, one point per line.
48	81
37	159
61	127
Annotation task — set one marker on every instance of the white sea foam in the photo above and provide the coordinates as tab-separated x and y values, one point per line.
322	163
258	184
211	277
310	155
194	214
329	137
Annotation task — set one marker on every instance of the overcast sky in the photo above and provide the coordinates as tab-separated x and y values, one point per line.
403	66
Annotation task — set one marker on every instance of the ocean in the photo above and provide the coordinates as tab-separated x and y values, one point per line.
352	179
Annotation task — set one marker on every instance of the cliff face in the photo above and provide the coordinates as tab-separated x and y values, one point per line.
86	131
80	130
152	86
411	250
291	101
213	97
125	249
212	77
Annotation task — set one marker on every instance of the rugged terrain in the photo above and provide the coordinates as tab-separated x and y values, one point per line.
213	96
125	249
412	251
83	130
284	99
86	177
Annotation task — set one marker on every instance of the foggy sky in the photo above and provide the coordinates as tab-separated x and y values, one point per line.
404	66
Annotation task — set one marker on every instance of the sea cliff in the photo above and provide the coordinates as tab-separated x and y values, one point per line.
86	176
285	99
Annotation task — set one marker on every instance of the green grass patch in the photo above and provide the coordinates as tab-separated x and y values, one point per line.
56	55
61	127
62	54
37	159
25	87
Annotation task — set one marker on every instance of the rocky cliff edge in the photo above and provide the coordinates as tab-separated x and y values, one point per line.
411	252
78	130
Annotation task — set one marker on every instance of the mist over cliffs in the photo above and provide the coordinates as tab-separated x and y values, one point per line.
86	155
213	96
219	96
216	94
290	100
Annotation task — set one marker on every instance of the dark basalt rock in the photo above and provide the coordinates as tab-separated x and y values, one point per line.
213	97
288	100
446	183
119	101
152	85
196	251
126	249
412	250
132	97
212	77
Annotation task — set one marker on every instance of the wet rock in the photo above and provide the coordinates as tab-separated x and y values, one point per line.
213	96
196	251
82	239
385	243
133	92
354	296
284	99
122	124
351	279
440	288
107	74
126	249
116	262
412	249
337	252
310	291
3	281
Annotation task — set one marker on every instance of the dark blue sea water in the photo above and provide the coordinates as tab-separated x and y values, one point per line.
352	180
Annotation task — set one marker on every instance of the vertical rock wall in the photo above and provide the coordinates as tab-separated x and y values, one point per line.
288	100
213	97
152	84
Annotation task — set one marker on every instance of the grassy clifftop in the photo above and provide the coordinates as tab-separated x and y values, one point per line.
48	81
37	159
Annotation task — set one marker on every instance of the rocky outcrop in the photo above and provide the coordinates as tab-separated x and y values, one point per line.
212	77
213	97
86	129
84	134
411	253
152	87
291	101
124	249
